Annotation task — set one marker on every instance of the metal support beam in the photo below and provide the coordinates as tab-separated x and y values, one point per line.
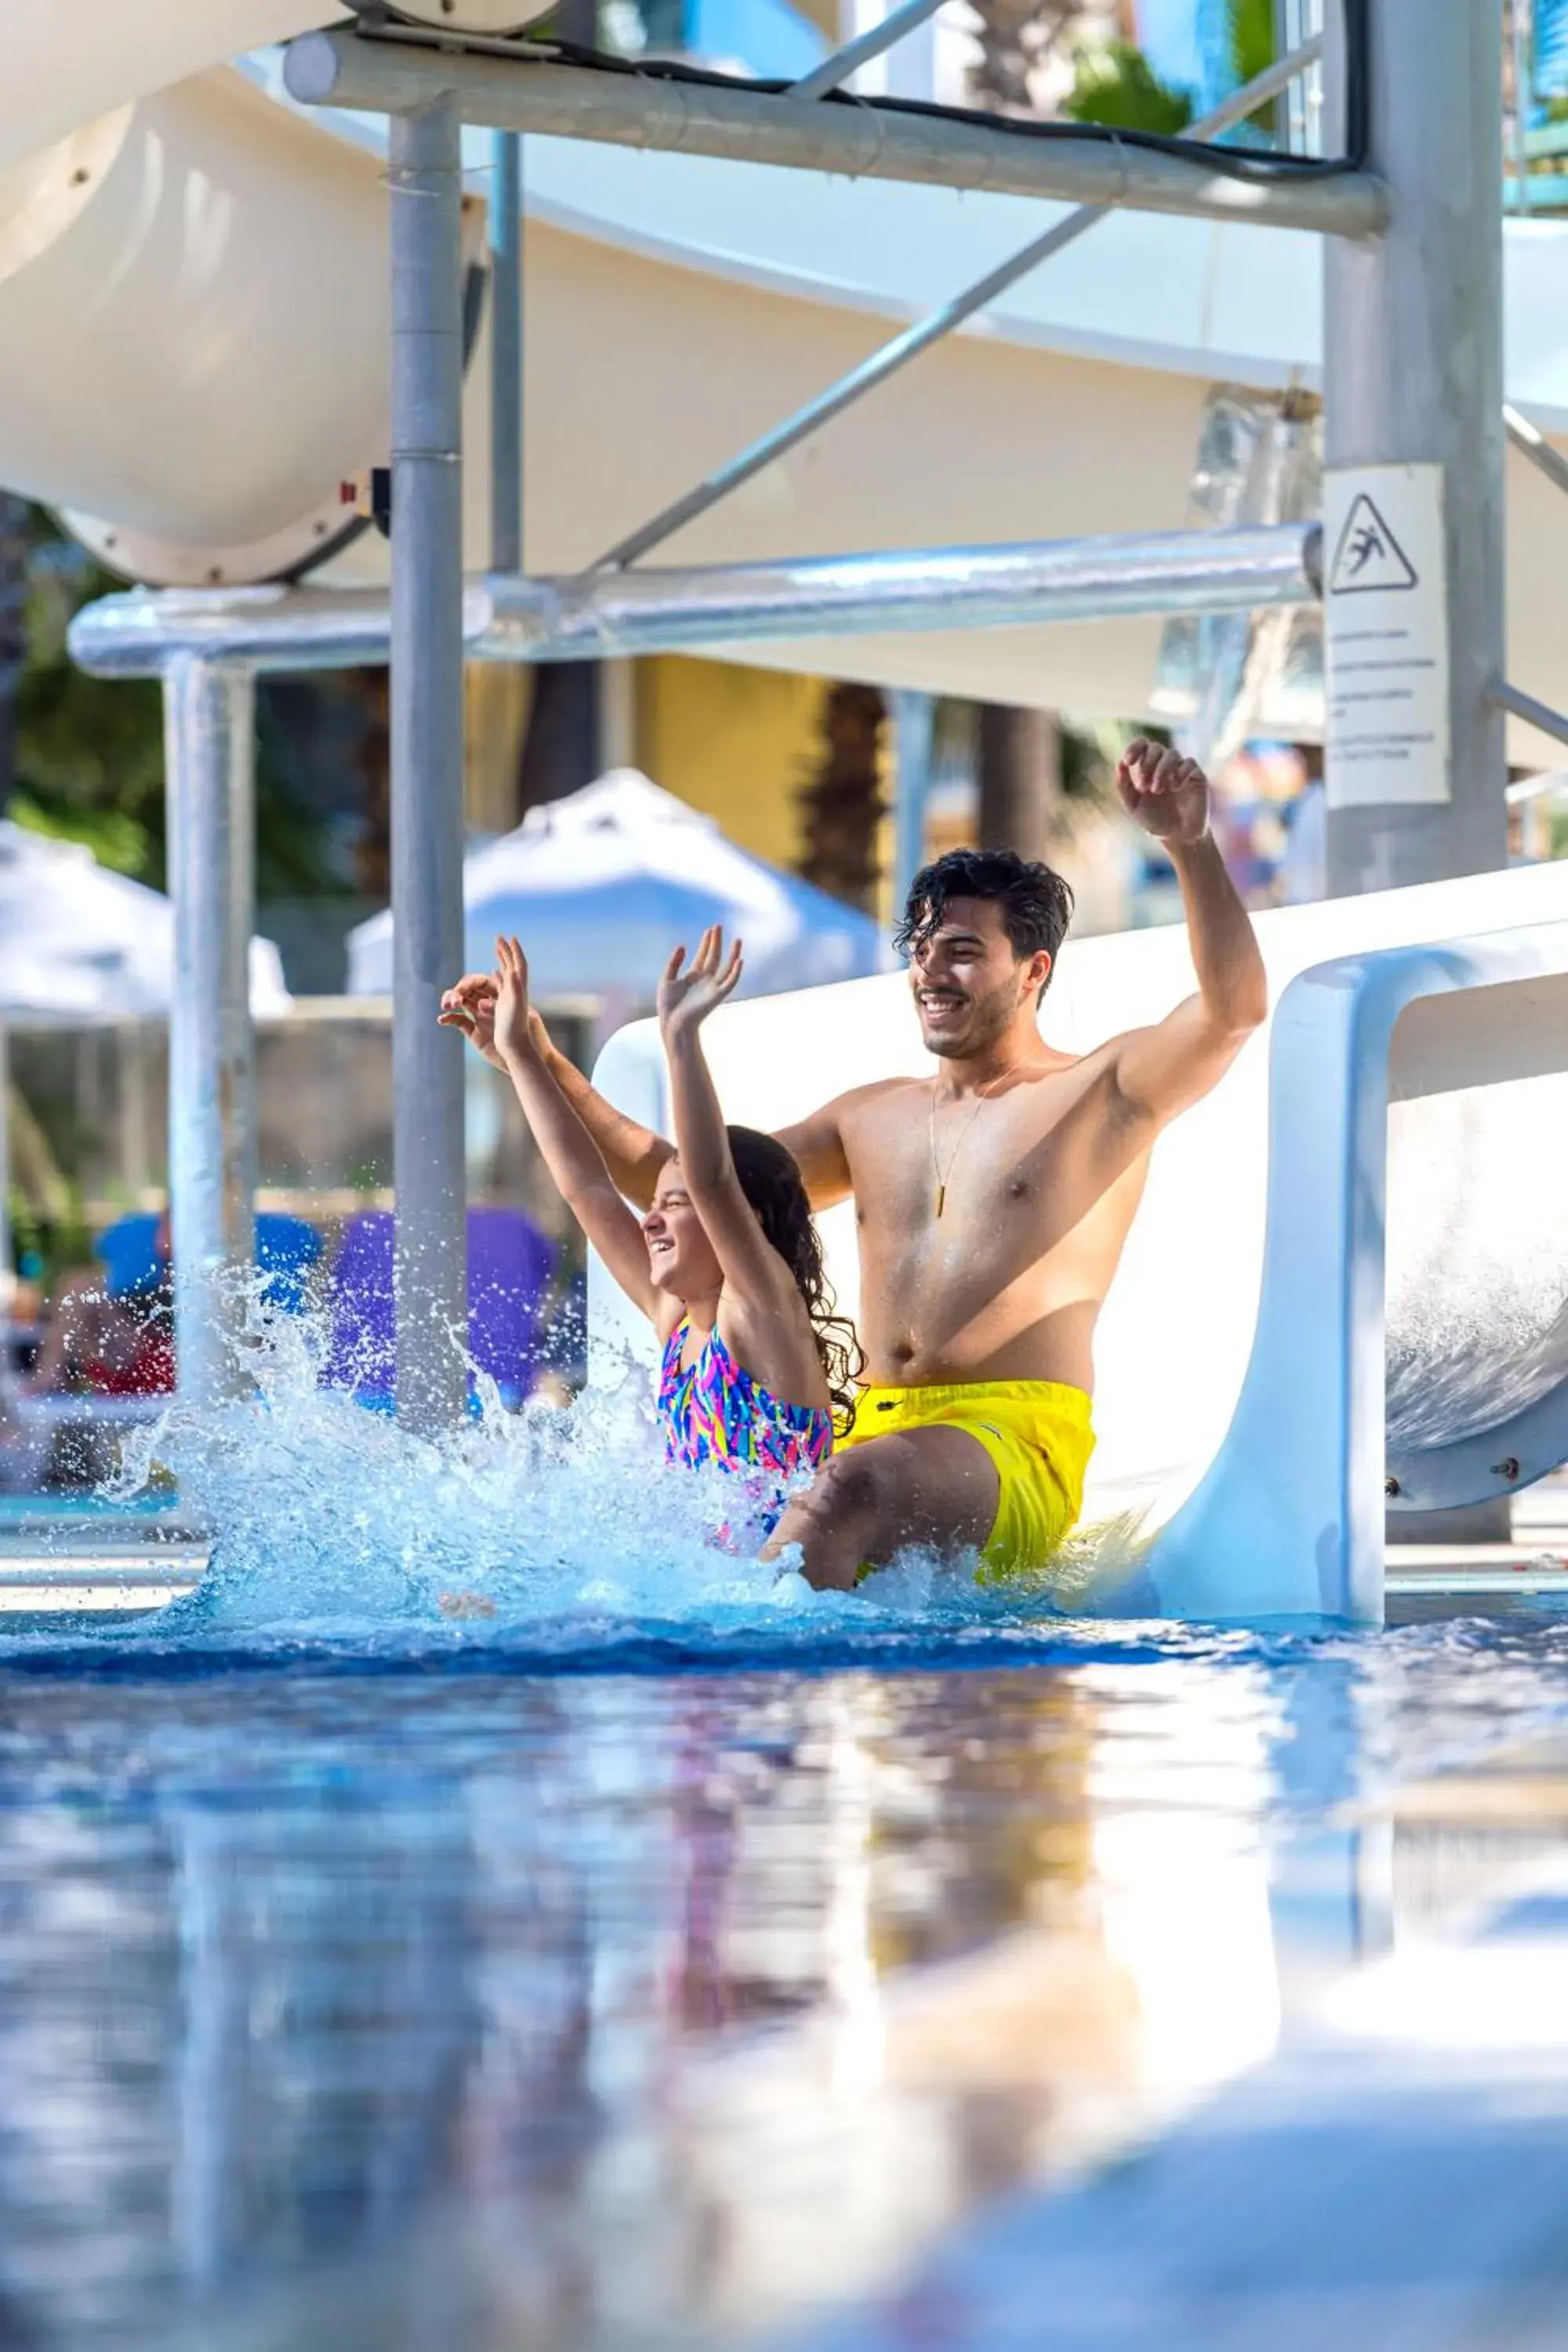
425	180
1539	715
1413	376
933	328
397	74
506	352
835	70
510	619
209	734
1531	443
913	733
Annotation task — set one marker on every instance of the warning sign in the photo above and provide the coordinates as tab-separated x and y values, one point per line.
1385	632
1368	556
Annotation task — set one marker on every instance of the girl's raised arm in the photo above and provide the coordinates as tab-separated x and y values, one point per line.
569	1152
752	1269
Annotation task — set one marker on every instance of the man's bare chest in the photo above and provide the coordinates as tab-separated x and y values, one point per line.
909	1172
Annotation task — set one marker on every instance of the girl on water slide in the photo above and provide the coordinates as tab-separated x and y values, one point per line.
726	1264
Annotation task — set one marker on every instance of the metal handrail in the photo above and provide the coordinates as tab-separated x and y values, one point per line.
511	618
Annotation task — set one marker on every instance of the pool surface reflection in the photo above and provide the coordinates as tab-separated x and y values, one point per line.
461	2004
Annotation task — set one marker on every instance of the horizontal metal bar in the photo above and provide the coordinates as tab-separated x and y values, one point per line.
1539	715
835	70
853	139
921	333
511	619
1552	786
669	611
1531	443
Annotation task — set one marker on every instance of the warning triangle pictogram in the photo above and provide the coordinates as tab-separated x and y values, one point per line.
1368	555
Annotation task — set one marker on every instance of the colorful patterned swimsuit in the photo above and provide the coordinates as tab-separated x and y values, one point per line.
713	1410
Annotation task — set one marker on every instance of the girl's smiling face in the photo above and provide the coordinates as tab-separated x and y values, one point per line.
679	1254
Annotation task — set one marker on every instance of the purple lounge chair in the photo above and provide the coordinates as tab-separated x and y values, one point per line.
510	1265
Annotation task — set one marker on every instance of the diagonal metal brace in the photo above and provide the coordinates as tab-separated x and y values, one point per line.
924	332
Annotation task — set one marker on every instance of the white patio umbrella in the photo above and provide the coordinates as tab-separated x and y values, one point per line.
599	887
81	943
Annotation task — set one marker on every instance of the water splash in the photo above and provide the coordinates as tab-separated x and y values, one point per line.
330	1521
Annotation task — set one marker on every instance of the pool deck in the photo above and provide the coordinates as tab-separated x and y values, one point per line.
1421	1578
130	1568
116	1568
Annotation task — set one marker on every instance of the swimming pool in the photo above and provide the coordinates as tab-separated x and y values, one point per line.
673	1956
604	1980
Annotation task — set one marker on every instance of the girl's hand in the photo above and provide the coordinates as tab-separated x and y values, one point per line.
688	993
470	1006
513	1020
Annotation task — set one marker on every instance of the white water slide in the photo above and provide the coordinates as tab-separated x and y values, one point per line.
194	315
1346	1289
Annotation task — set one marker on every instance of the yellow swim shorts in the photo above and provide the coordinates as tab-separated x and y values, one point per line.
1038	1433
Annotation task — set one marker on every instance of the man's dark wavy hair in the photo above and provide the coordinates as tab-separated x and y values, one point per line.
1035	902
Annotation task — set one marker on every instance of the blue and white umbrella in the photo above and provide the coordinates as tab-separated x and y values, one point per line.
600	886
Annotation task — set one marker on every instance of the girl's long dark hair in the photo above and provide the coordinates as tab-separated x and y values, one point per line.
773	1183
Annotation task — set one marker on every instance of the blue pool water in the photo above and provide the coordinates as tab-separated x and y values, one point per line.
667	1957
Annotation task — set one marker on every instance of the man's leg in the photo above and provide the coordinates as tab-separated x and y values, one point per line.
932	1487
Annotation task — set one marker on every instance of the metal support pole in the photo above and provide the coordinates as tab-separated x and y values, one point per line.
1413	377
209	733
426	184
506	351
914	726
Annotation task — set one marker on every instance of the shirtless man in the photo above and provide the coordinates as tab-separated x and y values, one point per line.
993	1200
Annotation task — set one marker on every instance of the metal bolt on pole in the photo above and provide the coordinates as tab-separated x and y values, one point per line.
425	185
209	735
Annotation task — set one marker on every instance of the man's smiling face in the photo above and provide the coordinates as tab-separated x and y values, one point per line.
968	978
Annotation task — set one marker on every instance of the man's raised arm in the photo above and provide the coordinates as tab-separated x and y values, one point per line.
1160	1071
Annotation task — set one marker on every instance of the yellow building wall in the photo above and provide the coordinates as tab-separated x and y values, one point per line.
497	700
736	744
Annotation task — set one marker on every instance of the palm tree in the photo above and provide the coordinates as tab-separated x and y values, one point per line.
841	801
1019	38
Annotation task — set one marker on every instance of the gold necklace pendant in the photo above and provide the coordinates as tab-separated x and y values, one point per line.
942	1181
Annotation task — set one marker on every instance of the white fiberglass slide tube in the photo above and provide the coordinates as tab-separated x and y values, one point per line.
195	287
